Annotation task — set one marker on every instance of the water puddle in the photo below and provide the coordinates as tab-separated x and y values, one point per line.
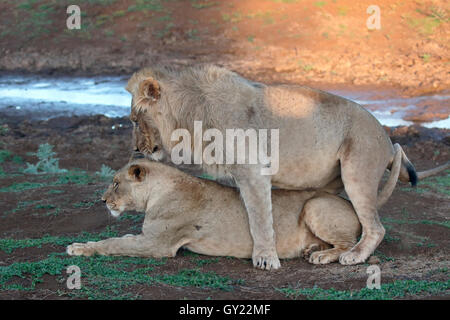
48	97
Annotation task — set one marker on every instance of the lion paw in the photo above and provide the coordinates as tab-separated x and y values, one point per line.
351	258
80	249
266	261
323	257
306	253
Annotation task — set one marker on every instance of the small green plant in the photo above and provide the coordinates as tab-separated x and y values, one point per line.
342	11
105	173
192	33
304	66
426	57
320	3
47	163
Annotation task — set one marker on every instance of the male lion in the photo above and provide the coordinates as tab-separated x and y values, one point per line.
326	143
208	218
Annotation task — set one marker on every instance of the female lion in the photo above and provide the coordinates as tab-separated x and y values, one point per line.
208	218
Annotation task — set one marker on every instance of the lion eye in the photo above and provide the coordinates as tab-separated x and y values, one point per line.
115	185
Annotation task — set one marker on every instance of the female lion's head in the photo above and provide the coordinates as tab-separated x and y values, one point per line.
128	190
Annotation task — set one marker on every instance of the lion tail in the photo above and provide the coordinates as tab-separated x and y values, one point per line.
407	171
431	172
390	184
403	169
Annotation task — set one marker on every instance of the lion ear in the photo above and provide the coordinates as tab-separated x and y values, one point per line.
150	89
137	172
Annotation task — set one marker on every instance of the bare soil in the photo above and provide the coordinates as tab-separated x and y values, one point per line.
307	41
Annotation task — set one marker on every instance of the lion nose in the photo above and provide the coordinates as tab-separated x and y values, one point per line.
104	200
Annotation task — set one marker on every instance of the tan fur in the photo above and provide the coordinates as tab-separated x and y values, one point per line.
207	218
326	142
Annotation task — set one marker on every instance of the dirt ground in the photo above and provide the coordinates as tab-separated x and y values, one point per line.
57	209
302	41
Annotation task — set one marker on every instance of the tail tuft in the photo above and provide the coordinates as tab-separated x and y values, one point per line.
412	174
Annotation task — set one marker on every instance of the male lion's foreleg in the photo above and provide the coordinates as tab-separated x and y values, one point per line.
255	190
129	245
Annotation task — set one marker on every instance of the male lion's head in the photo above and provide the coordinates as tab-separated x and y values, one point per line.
146	138
129	188
145	112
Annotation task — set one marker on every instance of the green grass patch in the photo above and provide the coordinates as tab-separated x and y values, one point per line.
285	1
85	204
420	221
20	206
74	177
146	5
196	278
203	262
425	26
203	4
232	17
55	192
101	277
22	186
5	155
382	256
9	245
104	277
438	184
52	209
77	177
389	291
